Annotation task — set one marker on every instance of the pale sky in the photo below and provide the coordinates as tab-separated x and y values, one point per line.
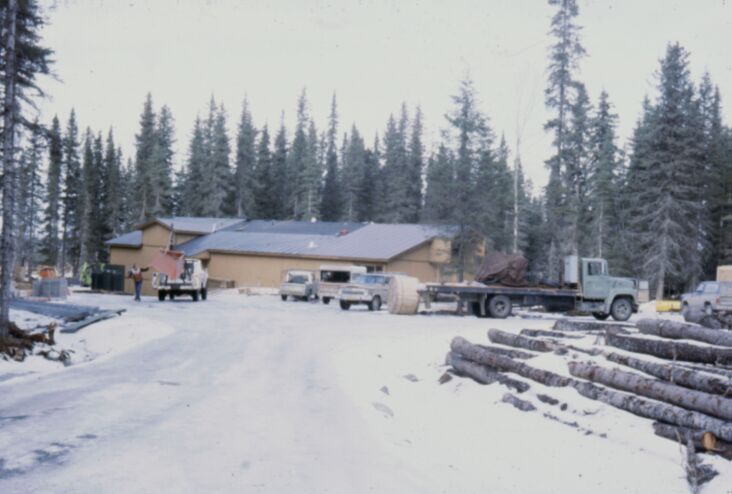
373	54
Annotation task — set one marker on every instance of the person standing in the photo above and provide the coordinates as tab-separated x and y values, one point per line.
136	275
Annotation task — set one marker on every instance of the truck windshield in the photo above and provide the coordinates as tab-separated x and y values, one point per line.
298	278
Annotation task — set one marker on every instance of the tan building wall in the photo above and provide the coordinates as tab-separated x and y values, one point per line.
425	262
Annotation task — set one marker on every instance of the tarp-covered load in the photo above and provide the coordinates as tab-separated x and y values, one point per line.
504	269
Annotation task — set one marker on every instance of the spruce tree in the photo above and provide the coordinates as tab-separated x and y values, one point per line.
145	173
332	202
52	215
563	60
195	181
87	199
114	190
358	174
162	164
439	201
282	179
414	172
30	198
244	182
72	207
266	201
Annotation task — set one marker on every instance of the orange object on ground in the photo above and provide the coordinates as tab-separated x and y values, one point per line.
47	273
169	263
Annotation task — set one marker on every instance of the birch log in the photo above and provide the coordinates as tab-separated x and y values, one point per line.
574	325
671	350
508	352
482	373
677	375
678	330
702	440
514	340
657	390
501	363
533	333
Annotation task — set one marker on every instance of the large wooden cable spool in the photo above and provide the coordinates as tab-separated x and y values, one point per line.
403	296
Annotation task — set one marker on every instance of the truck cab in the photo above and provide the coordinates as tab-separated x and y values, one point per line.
598	292
298	284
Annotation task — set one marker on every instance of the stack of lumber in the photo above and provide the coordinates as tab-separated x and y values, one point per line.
677	375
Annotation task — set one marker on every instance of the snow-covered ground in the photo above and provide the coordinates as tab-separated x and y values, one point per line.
250	394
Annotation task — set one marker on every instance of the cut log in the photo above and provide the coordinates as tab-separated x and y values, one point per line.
508	352
573	325
671	350
514	340
657	390
483	374
550	334
501	363
677	375
523	405
655	410
703	440
679	330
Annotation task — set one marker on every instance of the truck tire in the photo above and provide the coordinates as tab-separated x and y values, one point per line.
600	316
345	305
194	295
204	293
375	304
161	295
621	310
284	298
171	296
326	300
499	306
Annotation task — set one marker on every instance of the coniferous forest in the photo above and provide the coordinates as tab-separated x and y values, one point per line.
661	211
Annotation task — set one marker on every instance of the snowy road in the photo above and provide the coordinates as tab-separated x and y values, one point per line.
254	395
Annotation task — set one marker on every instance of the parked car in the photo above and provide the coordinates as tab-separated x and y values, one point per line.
710	297
371	289
299	285
333	277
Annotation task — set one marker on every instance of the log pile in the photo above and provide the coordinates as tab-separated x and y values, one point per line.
677	375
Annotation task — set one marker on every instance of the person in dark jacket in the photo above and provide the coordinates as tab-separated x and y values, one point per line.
136	275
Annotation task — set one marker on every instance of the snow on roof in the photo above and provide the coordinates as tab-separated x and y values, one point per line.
299	227
377	242
131	239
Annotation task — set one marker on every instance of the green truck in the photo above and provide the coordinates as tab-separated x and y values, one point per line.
586	287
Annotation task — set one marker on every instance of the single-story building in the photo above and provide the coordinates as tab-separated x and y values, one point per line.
258	252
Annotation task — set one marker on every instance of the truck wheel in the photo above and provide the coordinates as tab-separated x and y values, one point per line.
194	295
345	305
499	306
204	293
171	296
161	295
707	309
375	304
284	298
621	310
326	300
600	316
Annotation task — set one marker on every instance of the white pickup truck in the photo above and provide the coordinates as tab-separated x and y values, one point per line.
192	281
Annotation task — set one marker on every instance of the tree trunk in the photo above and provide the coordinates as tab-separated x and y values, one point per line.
7	244
463	347
703	440
671	350
508	352
683	377
483	374
651	388
550	334
678	330
571	325
655	410
514	340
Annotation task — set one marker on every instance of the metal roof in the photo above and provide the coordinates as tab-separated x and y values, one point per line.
191	224
131	239
371	242
298	227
